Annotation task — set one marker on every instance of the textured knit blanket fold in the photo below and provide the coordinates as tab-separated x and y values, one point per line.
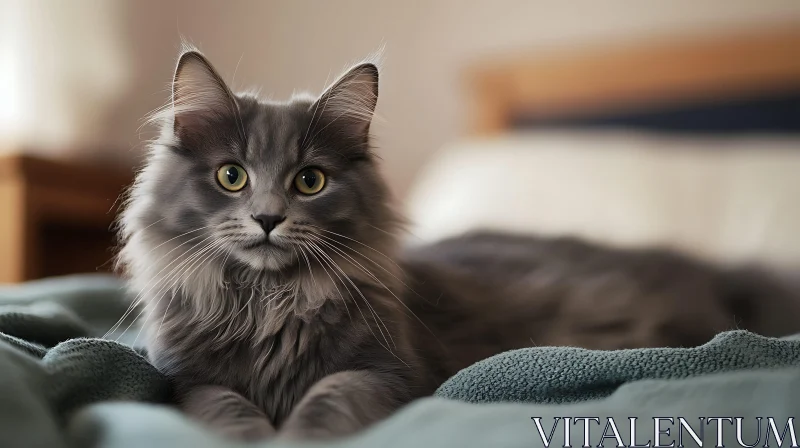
50	366
568	374
61	386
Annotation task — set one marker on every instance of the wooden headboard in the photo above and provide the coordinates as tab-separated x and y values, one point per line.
704	76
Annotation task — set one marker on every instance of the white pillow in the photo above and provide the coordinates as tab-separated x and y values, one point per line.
726	199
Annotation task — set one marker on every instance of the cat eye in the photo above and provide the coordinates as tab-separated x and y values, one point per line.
232	177
309	181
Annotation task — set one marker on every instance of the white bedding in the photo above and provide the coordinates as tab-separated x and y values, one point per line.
727	199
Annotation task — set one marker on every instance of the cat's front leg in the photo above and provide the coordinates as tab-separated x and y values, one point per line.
226	412
343	403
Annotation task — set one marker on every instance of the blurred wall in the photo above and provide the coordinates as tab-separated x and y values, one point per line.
77	77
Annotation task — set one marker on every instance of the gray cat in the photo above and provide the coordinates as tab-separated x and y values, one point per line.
260	238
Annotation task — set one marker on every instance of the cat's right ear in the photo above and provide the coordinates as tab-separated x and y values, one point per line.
199	95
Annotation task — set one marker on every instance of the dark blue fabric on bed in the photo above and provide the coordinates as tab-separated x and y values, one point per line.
776	113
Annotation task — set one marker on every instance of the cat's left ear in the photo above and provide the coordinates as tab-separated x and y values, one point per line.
348	105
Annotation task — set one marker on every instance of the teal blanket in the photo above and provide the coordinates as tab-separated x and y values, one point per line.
568	374
60	386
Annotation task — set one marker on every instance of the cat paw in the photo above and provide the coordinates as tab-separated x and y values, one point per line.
227	413
245	430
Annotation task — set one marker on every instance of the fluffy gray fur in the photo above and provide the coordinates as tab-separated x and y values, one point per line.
314	329
296	322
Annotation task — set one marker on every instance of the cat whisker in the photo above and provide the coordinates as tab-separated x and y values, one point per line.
347	257
156	279
198	263
225	260
170	275
322	263
377	318
325	270
383	231
329	262
309	242
216	247
308	263
327	238
152	223
368	305
177	264
366	271
388	258
138	298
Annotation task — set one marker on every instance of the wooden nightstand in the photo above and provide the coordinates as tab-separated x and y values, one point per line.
55	217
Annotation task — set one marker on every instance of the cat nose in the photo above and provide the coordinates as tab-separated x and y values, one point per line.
269	222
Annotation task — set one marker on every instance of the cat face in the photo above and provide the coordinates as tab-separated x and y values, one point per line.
264	184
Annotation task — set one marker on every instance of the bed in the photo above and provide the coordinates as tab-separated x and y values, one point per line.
689	143
62	386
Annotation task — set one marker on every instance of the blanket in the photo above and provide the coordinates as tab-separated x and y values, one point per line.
63	386
569	374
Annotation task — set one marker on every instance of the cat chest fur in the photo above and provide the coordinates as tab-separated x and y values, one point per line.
268	354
